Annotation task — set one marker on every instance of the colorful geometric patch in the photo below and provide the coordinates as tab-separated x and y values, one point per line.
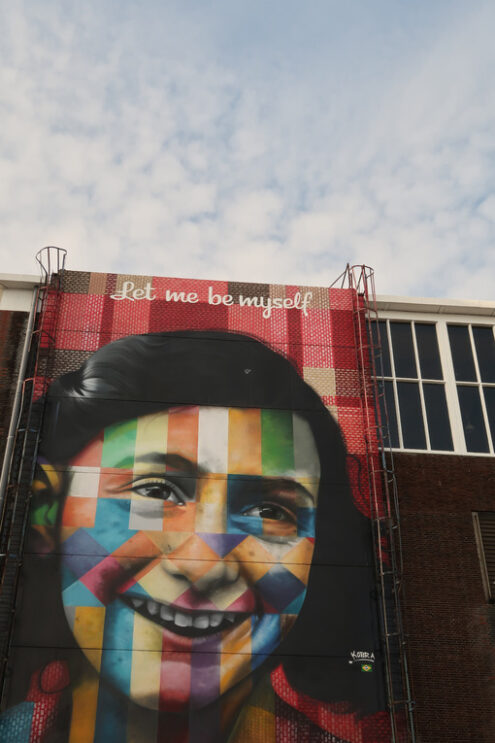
280	587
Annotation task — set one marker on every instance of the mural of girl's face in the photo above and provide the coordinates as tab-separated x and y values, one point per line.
187	536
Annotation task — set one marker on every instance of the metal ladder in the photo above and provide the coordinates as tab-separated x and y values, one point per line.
383	501
19	467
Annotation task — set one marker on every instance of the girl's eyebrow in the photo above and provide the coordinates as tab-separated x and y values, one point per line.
292	489
176	461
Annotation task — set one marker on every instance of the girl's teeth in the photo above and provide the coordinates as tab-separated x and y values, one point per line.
166	613
152	607
182	620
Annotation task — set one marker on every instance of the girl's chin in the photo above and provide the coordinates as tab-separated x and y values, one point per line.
187	673
180	702
184	688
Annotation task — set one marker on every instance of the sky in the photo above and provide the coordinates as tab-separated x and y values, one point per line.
267	141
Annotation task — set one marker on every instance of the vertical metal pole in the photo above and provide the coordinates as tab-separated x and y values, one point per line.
9	446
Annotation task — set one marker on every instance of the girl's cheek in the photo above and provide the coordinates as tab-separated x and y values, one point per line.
79	512
298	560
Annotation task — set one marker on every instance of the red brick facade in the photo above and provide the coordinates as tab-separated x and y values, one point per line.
449	624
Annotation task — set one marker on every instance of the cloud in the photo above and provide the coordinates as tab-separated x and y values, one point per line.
264	142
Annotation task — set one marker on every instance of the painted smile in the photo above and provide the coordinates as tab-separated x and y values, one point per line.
182	621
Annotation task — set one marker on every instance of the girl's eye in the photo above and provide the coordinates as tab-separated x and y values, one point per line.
159	489
270	511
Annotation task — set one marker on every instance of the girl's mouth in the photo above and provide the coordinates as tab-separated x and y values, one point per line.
185	622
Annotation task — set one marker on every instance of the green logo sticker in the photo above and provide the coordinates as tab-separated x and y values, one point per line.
366	667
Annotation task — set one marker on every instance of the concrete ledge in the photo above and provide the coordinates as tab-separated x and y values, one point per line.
18	280
392	303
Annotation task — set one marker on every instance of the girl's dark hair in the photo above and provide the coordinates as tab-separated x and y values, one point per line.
140	374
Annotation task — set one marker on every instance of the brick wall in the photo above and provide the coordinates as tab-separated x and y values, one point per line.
450	627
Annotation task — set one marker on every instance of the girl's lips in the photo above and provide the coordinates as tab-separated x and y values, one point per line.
184	622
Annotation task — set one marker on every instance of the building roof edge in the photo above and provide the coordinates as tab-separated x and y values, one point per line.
18	281
389	302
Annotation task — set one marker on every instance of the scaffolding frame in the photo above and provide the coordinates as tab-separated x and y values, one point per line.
383	498
20	464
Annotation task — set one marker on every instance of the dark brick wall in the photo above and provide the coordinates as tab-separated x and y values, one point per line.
450	627
12	329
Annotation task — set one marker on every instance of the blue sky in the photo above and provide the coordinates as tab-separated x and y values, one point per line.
262	141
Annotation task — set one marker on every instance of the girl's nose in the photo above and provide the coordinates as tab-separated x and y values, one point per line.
211	505
197	564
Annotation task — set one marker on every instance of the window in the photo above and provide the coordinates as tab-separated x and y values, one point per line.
413	388
438	382
473	357
484	531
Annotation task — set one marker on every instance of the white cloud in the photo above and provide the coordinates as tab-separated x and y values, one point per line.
208	142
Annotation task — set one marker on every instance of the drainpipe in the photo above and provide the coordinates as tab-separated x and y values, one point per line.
14	418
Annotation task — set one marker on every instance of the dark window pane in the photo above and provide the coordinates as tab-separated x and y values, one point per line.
374	333
392	414
490	409
429	355
393	438
462	354
472	418
485	350
402	344
437	416
413	432
379	334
